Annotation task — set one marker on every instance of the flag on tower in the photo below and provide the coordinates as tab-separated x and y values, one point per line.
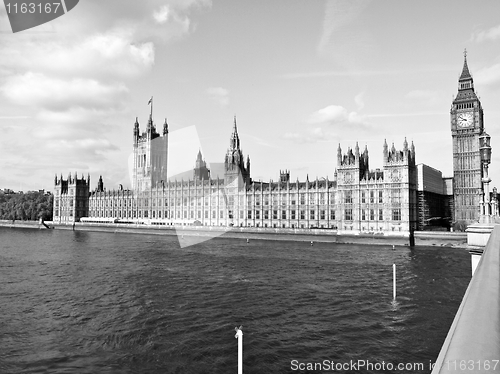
150	100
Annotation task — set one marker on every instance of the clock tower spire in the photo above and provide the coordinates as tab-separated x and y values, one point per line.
465	81
466	116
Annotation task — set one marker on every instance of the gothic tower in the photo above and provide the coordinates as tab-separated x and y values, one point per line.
201	172
352	166
466	125
150	156
284	176
71	199
234	163
400	183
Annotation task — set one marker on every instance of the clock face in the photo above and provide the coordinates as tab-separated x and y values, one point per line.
465	119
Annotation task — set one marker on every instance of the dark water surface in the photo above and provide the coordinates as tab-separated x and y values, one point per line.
89	302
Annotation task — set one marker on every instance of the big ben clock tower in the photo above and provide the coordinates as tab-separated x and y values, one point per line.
466	126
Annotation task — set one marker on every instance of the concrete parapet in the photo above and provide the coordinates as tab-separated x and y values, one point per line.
472	343
478	234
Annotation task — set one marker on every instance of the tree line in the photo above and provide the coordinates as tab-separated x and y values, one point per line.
26	206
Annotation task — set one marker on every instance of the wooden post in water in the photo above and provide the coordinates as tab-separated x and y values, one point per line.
394	281
239	336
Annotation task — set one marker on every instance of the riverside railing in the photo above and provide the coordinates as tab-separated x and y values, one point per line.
473	342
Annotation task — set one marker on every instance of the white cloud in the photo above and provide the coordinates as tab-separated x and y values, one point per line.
488	76
220	95
491	34
333	122
355	118
330	114
113	53
359	100
334	114
74	123
67	82
167	14
116	46
161	15
36	89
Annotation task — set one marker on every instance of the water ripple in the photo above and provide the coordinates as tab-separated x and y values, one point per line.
81	302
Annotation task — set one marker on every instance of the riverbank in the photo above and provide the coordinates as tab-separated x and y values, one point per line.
20	224
441	238
201	233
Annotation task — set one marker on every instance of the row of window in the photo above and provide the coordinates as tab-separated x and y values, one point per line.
467	180
371	214
58	213
145	202
71	192
373	197
230	200
466	200
266	214
69	202
465	105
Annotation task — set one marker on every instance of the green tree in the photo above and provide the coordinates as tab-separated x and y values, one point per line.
29	206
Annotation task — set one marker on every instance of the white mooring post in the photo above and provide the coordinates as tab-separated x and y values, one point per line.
239	336
394	281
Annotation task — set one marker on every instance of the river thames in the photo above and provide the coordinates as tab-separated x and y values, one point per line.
90	302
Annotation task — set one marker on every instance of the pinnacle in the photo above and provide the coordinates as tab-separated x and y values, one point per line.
465	70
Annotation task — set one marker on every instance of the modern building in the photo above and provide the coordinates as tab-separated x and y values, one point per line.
467	124
449	200
435	198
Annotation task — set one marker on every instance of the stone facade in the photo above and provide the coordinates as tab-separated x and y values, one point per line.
379	200
357	200
466	125
71	199
150	156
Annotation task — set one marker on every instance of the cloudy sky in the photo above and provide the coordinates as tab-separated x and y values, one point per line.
301	77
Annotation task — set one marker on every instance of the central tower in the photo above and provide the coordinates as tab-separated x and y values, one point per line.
150	156
466	125
234	165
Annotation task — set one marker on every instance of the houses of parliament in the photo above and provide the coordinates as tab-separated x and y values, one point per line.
397	199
